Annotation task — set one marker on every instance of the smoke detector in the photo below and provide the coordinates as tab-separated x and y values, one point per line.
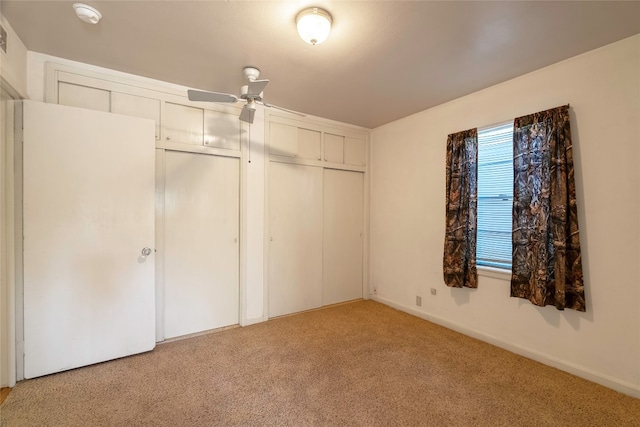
87	13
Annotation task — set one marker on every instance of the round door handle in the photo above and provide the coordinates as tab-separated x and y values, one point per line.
146	252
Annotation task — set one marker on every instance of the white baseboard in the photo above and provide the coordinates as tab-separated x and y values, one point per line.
572	368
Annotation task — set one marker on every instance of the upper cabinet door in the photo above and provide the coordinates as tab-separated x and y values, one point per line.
355	151
137	106
84	97
283	140
183	124
308	144
292	141
221	130
333	148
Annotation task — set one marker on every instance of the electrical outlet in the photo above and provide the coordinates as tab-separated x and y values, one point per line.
418	301
433	291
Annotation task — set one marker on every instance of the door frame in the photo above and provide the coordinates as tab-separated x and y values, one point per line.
18	241
9	217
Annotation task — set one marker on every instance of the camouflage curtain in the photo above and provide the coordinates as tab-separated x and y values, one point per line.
462	185
547	266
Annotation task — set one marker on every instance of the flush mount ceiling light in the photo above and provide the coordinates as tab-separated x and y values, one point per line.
314	25
87	13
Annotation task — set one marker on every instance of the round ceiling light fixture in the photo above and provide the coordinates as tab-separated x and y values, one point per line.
87	13
314	25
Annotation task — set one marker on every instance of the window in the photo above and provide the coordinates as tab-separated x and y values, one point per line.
495	196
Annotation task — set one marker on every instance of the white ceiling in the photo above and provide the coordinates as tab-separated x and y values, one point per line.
383	60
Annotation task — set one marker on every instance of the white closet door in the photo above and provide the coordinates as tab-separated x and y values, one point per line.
89	295
295	228
201	259
342	236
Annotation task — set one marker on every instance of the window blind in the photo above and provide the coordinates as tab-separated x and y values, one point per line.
495	196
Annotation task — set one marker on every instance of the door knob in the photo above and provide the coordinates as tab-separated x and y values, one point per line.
146	252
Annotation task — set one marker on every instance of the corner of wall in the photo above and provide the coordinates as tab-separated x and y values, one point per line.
13	63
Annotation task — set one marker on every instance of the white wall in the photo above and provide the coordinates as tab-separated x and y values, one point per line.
13	63
407	217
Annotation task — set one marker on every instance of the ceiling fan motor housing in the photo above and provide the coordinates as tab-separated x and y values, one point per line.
244	94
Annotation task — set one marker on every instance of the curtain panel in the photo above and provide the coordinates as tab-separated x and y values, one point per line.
459	264
547	264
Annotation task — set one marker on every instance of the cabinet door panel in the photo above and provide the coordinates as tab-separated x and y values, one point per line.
221	130
283	140
333	148
308	144
137	106
295	228
182	124
355	151
342	236
83	97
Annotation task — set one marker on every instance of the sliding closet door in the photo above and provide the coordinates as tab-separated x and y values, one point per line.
295	228
201	258
342	236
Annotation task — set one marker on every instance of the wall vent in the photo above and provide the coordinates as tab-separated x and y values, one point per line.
3	39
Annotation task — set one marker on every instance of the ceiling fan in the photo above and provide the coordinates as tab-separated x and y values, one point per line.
250	93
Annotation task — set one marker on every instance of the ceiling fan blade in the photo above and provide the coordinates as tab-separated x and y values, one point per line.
198	95
247	114
283	109
257	86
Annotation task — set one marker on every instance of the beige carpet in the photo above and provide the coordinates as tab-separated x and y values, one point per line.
357	364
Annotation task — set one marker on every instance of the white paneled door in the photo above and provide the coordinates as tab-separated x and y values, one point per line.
89	292
342	236
295	234
201	255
